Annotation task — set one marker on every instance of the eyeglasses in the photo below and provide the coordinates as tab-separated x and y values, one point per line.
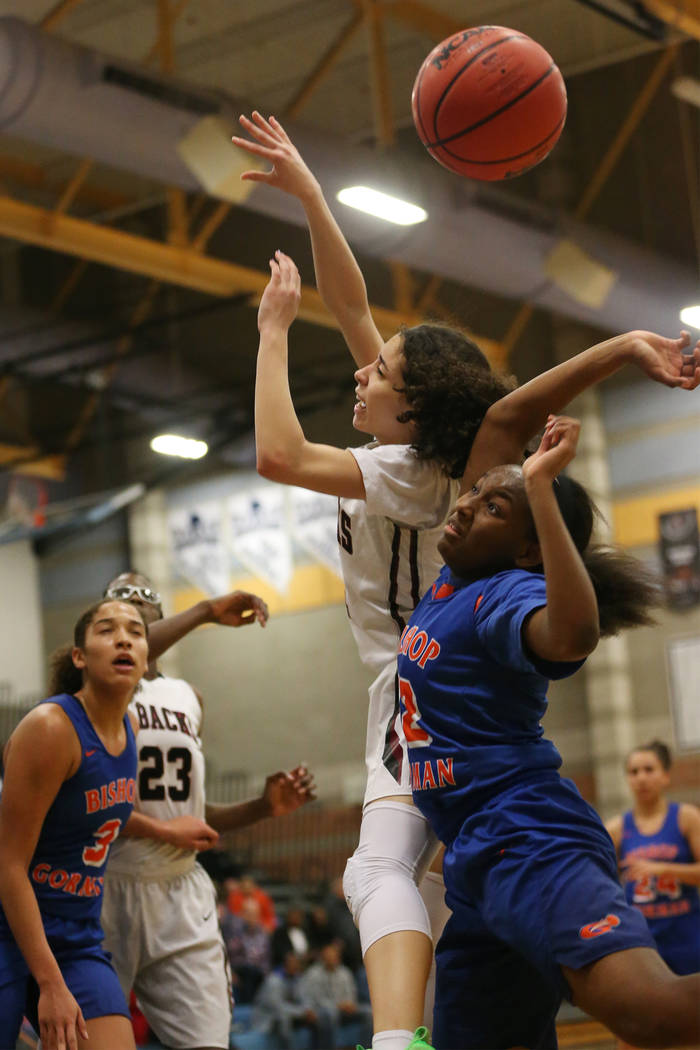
126	591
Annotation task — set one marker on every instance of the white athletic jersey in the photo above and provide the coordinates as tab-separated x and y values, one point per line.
388	553
170	772
388	544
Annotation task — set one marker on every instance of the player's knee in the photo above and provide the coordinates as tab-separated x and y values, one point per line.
367	878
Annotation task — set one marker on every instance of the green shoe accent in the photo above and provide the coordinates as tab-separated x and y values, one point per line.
421	1040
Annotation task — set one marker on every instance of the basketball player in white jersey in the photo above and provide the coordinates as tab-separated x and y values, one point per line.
159	913
423	395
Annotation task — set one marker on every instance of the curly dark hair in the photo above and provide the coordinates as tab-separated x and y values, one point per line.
449	385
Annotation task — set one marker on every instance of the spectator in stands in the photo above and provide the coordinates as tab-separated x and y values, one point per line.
248	888
343	925
318	929
290	936
248	945
330	988
282	1009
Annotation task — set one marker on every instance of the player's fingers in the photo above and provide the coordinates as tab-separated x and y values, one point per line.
81	1026
279	128
263	129
253	146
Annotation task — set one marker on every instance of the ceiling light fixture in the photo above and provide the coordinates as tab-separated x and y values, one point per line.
177	445
691	315
382	205
687	89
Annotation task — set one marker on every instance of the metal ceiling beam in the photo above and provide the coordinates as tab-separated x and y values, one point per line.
324	65
384	128
680	14
57	13
423	18
163	262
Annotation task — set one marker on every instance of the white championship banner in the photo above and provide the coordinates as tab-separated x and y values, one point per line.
259	534
199	553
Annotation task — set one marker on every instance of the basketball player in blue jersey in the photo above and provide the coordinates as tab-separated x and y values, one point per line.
658	847
422	396
69	786
530	872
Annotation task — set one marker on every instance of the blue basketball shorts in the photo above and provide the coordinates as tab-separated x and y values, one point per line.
85	967
532	883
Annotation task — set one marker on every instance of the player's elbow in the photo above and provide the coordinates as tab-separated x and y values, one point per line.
275	464
577	642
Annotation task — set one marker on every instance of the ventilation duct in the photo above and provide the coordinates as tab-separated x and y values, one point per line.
74	99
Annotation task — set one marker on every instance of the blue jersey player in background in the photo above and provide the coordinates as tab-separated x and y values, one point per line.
69	786
658	846
538	913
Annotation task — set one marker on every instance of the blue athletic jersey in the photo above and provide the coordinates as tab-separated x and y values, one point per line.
89	811
471	695
671	907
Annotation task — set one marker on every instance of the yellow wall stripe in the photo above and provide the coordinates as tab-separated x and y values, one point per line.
311	587
635	520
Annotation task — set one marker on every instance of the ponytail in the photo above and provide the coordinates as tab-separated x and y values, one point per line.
626	591
64	676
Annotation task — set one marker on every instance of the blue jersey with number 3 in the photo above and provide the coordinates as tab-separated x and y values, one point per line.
87	814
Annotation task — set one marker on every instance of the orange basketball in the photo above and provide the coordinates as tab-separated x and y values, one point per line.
489	103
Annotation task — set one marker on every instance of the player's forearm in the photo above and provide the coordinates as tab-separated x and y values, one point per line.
21	910
687	873
165	633
570	628
338	277
236	814
279	439
523	413
140	826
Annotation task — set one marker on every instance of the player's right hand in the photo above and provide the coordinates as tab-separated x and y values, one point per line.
272	143
280	300
557	448
191	833
60	1017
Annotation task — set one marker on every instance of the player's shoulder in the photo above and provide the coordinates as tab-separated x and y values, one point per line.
688	818
614	827
46	734
511	584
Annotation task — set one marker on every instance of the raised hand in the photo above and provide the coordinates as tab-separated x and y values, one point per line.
673	362
285	792
280	300
556	449
271	142
238	609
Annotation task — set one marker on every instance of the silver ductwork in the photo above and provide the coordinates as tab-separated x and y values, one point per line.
77	100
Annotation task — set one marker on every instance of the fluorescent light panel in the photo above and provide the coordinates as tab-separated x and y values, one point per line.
177	445
691	315
382	205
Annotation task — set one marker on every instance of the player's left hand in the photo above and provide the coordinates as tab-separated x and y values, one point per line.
280	300
238	609
639	868
673	362
556	449
285	792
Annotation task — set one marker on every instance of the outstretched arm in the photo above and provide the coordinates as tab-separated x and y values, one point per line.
338	276
566	628
236	609
514	420
283	453
283	793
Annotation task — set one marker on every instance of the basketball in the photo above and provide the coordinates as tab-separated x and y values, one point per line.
489	103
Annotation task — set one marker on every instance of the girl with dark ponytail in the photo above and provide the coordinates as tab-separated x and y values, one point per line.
530	872
68	790
658	847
